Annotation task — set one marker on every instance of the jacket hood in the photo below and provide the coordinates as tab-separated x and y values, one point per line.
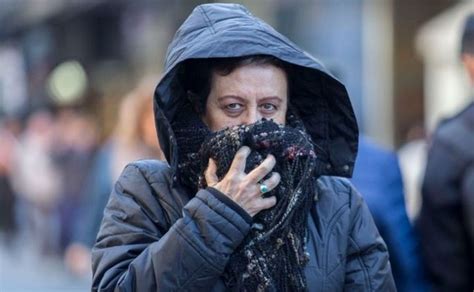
230	30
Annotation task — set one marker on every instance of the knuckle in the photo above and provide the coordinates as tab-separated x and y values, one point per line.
244	187
239	155
232	172
232	179
253	192
246	182
256	195
265	168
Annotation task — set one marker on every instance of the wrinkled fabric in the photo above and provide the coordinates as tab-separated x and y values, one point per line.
272	256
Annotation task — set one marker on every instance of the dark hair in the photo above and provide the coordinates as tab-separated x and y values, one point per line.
467	42
195	75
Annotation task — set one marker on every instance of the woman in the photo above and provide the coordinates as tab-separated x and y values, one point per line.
251	126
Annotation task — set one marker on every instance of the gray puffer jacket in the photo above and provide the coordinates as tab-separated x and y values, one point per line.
157	235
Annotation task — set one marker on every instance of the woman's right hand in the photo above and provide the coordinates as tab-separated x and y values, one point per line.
243	188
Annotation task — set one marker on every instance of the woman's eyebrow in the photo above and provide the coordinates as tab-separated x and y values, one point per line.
221	98
241	99
272	98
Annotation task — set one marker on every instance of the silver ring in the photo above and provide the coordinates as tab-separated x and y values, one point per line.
263	188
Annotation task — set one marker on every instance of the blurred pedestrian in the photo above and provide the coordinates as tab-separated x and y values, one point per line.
446	221
134	138
37	182
9	128
412	156
377	176
75	143
255	132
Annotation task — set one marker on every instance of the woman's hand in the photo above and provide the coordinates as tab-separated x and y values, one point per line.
242	188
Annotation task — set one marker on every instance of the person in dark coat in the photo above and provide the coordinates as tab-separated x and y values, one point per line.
446	220
255	132
378	178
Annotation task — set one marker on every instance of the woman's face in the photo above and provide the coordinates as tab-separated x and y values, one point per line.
246	95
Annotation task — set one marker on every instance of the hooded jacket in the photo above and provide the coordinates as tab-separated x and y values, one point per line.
158	236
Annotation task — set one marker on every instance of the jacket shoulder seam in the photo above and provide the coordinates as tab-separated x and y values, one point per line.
160	199
149	177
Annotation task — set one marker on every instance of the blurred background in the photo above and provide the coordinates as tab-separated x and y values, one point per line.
76	83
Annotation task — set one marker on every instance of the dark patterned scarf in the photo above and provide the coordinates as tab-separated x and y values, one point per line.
272	256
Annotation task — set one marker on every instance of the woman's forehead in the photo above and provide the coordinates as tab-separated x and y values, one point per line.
251	80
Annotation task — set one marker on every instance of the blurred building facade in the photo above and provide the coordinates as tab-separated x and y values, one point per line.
446	85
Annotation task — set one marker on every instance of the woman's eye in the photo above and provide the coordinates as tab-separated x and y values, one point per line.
268	107
233	106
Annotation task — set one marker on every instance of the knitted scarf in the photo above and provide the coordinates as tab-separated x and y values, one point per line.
272	256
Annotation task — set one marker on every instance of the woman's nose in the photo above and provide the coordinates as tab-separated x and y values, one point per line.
252	116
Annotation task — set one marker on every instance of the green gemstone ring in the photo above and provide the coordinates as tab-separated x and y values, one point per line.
263	188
